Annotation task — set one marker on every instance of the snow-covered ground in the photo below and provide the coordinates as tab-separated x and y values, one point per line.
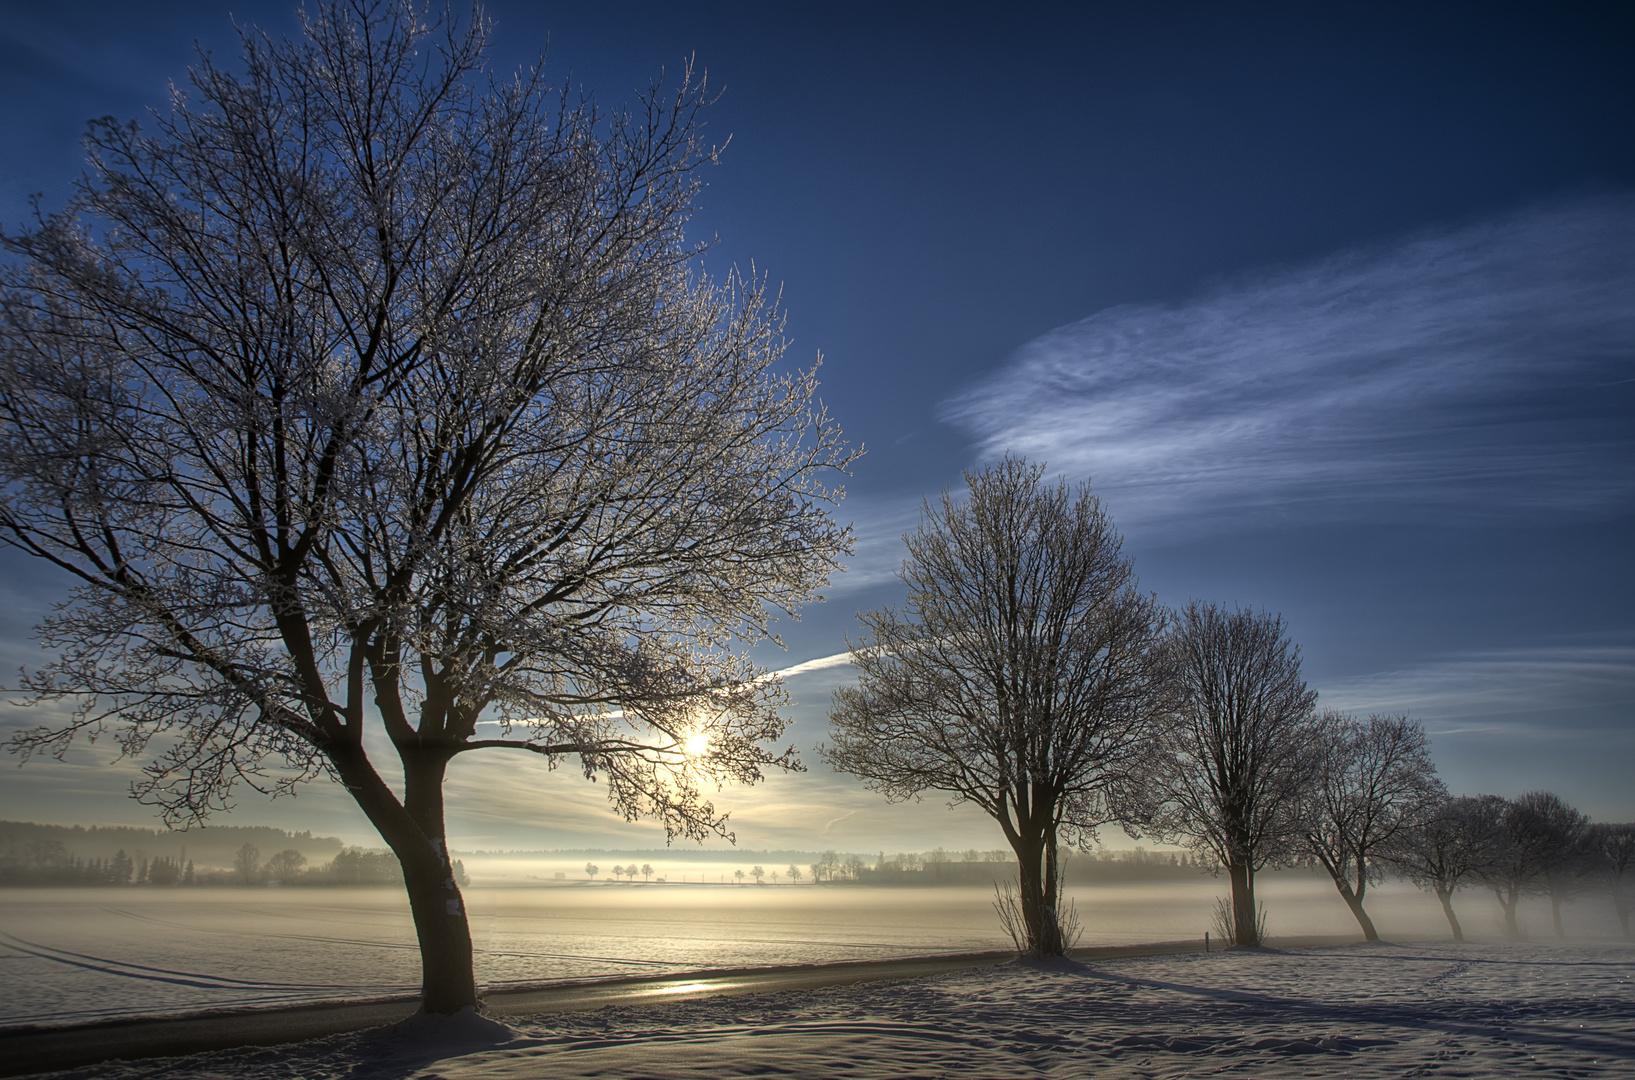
77	955
1475	1010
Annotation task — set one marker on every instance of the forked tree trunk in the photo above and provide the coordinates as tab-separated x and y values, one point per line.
1353	896
1508	899
1446	896
1036	889
414	830
1245	926
1555	916
1354	902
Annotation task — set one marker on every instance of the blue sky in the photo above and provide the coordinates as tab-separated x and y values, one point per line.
1334	305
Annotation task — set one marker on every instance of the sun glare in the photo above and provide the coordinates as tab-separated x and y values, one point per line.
696	745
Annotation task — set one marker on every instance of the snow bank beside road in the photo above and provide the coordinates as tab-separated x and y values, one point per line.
1480	1010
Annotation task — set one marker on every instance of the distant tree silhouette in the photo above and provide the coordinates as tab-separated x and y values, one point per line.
285	867
1457	842
647	872
1373	783
1610	856
164	871
794	874
591	870
356	866
1559	832
757	873
247	864
1516	865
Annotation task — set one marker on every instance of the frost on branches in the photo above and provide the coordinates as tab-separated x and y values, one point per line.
367	374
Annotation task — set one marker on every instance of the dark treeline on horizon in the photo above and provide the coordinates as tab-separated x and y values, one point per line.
214	845
47	861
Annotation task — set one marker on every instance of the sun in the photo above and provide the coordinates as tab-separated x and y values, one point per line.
696	745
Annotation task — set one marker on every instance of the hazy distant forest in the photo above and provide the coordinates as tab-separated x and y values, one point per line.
1533	846
237	855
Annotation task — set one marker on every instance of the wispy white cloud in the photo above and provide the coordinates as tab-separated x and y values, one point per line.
1468	374
879	526
1525	691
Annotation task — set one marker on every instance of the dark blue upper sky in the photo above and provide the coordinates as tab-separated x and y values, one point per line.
1334	305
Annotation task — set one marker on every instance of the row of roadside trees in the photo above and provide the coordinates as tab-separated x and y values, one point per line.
1536	844
1026	673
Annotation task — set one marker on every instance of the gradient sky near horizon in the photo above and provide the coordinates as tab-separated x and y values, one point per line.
1334	306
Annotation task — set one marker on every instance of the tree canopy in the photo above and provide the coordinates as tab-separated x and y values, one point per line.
368	376
1232	768
1374	783
1022	674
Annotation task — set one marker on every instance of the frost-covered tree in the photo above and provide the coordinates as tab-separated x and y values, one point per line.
1023	674
1233	770
1454	844
1373	783
367	381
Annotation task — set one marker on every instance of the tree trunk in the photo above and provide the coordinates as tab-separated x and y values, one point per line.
1245	926
414	830
1354	902
1353	897
1035	889
1555	916
1507	901
1446	896
448	980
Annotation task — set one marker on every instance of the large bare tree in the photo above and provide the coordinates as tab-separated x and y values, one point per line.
1022	674
1374	783
366	382
1232	770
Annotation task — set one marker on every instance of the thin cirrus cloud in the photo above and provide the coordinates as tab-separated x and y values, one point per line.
1481	373
1581	687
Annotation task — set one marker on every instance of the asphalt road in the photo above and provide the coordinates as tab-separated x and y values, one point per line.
48	1049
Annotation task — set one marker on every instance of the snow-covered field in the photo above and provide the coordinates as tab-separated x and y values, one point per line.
75	955
1478	1010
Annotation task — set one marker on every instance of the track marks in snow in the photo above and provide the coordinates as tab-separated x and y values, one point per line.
106	966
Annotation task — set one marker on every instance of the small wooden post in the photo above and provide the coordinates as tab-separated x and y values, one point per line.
1206	941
